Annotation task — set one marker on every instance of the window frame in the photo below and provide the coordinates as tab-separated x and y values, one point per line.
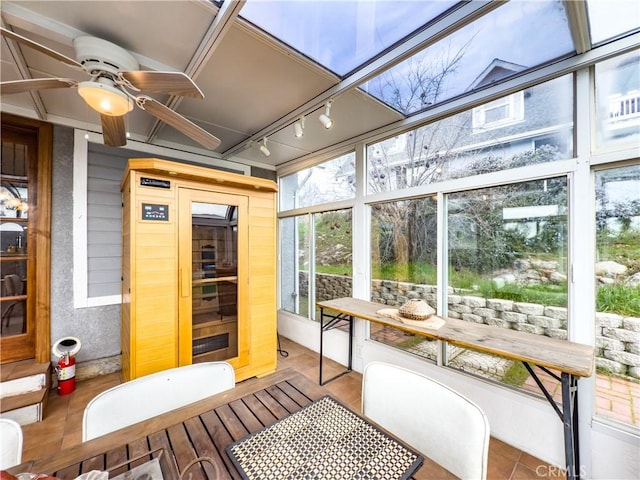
514	104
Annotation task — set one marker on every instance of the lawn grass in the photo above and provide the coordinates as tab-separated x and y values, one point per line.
516	375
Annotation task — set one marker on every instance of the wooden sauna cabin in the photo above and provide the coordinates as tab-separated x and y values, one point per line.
199	269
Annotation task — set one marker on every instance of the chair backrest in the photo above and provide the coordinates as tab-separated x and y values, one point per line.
10	443
12	285
434	419
137	400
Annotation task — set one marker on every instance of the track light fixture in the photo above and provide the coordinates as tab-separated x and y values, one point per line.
298	128
263	148
325	118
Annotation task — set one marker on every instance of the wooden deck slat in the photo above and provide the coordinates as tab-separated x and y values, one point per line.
183	449
116	457
231	422
160	440
138	448
294	394
205	447
283	399
93	463
72	471
272	405
246	416
258	408
204	428
221	439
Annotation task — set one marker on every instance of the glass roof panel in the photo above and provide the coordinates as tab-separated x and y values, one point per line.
342	35
610	18
514	37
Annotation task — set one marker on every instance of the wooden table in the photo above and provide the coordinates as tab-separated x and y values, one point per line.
202	429
572	360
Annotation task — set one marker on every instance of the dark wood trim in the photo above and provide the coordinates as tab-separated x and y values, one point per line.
39	268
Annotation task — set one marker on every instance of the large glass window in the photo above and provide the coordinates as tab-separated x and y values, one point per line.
333	255
294	264
617	317
507	267
531	126
316	260
328	182
618	101
403	265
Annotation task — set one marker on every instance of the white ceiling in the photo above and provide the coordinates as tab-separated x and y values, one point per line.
252	85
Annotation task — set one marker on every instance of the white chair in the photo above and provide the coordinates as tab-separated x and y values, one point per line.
434	419
10	443
137	400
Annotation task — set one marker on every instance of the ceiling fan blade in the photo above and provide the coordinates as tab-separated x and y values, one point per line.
178	122
41	48
21	86
113	131
173	83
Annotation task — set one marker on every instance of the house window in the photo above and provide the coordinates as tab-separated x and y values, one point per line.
469	143
618	101
499	113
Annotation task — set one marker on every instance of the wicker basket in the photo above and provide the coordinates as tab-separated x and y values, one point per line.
416	309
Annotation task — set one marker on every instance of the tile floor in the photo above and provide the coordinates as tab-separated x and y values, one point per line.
61	427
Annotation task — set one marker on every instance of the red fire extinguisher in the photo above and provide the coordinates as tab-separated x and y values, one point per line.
66	371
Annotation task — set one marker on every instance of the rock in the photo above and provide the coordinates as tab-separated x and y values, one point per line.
544	264
631	323
557	277
633	280
522	264
528	308
610	269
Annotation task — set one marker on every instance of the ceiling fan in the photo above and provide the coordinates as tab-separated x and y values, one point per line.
114	86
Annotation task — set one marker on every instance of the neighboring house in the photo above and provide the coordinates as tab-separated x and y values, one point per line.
622	87
486	138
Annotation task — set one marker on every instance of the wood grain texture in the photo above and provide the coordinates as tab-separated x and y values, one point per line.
204	428
158	267
568	357
37	137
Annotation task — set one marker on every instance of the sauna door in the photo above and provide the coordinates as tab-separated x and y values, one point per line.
212	277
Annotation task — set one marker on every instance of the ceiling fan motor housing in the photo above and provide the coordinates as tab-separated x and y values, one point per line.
98	55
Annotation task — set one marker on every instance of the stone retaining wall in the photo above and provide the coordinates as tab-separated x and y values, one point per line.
617	337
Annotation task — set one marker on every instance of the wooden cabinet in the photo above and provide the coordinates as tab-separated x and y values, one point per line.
199	269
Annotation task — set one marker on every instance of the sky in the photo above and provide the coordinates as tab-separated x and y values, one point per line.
341	35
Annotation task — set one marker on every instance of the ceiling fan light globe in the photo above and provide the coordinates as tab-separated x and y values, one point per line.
105	99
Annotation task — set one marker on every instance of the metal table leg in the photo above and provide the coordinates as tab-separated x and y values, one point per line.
332	322
568	415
